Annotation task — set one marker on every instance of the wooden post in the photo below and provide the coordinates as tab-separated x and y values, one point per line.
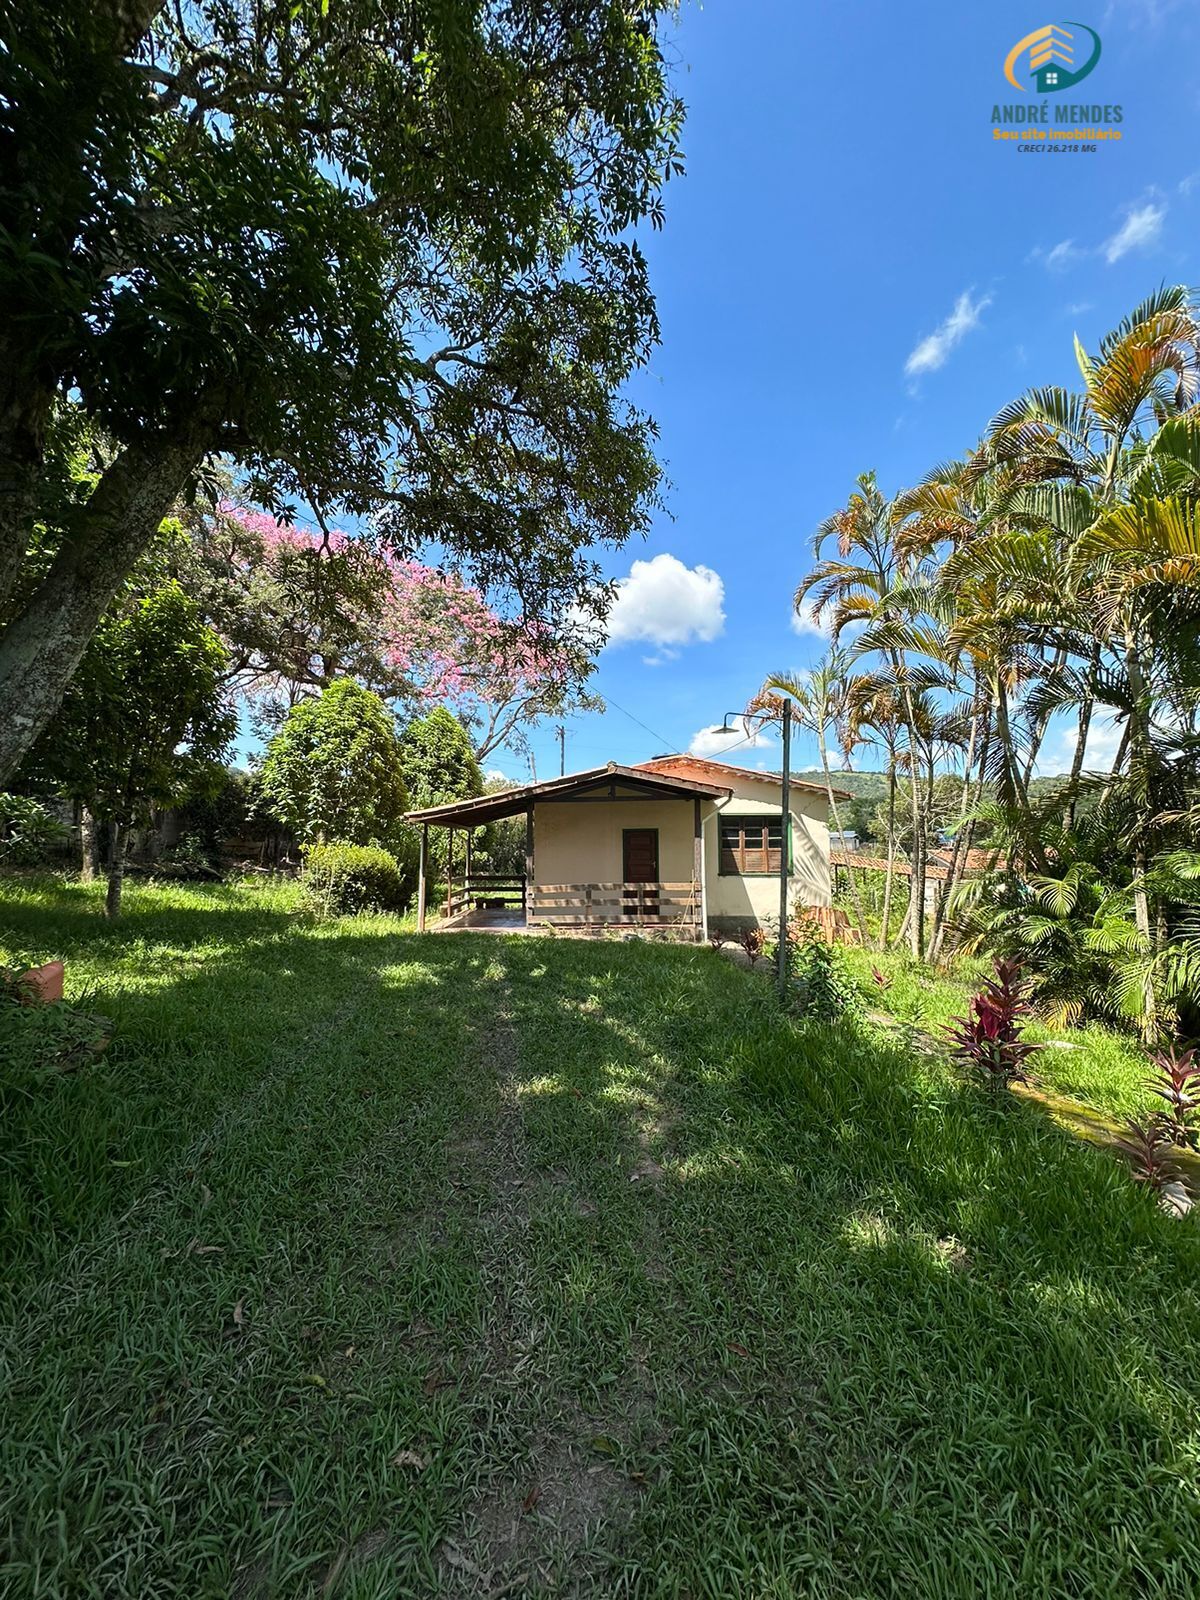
785	841
698	872
528	860
449	871
421	860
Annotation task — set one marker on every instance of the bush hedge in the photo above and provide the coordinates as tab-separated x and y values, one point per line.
344	878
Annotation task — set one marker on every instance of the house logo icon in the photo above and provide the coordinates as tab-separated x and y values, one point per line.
1057	56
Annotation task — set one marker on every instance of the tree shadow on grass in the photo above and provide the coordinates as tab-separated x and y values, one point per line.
54	917
929	1339
848	1327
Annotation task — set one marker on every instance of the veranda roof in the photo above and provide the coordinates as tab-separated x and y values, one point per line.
512	802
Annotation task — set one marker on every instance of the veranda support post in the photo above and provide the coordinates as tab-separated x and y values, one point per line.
528	861
422	859
698	870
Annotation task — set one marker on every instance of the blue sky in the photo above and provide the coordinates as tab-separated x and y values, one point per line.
845	210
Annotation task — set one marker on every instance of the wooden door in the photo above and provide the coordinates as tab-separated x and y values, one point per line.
639	864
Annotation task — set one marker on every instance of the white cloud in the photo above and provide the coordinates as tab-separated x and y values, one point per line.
1103	742
1061	256
1186	185
724	745
1142	227
666	603
1078	308
808	625
661	657
934	349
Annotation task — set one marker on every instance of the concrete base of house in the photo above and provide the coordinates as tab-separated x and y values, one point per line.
733	927
513	920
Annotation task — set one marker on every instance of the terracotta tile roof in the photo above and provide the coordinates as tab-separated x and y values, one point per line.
509	802
701	767
859	858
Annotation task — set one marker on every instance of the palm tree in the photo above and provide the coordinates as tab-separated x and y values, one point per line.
820	702
873	708
866	583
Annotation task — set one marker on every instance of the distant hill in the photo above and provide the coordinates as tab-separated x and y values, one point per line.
873	785
868	790
862	785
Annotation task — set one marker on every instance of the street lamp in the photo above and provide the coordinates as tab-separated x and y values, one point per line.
786	809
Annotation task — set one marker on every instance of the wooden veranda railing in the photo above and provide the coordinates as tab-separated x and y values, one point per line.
643	905
485	889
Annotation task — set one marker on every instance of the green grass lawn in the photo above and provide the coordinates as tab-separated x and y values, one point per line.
370	1264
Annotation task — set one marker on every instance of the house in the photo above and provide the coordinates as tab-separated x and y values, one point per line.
679	845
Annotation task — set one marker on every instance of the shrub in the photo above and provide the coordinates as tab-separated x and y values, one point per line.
41	1040
1148	1149
1176	1080
753	941
822	987
988	1039
29	835
340	879
1151	1144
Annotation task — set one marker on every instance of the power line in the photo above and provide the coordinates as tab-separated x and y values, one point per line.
664	742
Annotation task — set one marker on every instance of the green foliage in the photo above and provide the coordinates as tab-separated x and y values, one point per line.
41	1040
439	761
823	988
29	834
346	247
215	807
334	770
1044	920
1051	572
144	717
989	1039
439	766
340	879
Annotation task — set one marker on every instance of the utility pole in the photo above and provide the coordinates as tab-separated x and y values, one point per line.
785	865
785	819
562	751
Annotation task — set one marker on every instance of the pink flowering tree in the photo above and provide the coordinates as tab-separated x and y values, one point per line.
298	609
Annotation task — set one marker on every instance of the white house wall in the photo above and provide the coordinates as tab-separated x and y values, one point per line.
581	842
757	898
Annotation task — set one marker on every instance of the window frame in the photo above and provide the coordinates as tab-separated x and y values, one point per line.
764	820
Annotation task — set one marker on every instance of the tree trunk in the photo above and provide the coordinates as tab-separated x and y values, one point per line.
1139	772
890	874
957	854
916	895
89	864
42	646
24	412
119	843
1085	721
837	823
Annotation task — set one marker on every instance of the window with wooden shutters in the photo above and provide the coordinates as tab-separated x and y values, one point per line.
750	845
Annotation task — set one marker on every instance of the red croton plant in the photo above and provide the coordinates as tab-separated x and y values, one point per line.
988	1039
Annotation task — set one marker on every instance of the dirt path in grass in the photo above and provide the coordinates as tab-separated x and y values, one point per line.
546	1496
